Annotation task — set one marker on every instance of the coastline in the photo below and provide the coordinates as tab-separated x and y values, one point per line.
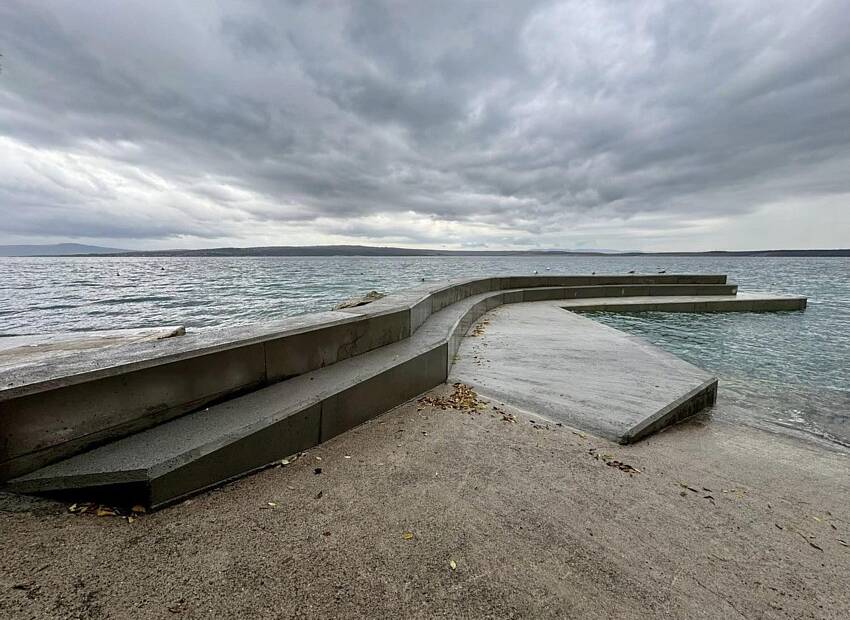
534	522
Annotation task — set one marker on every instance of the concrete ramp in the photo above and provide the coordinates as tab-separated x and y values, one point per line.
571	369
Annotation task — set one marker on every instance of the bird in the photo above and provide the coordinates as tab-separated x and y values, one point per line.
632	271
535	272
663	271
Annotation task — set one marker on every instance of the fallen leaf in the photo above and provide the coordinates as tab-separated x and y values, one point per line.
453	564
272	504
138	508
407	535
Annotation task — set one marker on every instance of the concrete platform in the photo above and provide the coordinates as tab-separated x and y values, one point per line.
215	408
742	302
573	370
70	403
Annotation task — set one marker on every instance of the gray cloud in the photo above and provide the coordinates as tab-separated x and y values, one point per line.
656	125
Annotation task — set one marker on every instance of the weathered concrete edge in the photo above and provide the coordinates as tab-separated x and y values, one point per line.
352	405
772	304
687	405
32	459
415	304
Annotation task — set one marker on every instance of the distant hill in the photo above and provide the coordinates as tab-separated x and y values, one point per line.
364	250
76	249
55	249
348	250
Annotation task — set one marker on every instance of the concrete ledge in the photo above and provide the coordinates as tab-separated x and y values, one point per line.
711	303
57	409
317	401
684	407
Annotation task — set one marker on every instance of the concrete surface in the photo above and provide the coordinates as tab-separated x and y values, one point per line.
242	434
58	408
536	525
19	351
579	372
198	450
742	302
204	448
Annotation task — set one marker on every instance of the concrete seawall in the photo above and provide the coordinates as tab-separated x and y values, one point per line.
332	371
59	408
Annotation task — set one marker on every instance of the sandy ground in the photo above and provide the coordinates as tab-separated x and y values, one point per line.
426	512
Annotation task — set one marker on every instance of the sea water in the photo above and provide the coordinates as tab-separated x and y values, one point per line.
786	371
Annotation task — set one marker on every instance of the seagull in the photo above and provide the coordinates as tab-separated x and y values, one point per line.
632	271
663	271
535	271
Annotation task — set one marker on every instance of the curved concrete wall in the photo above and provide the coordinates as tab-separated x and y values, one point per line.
51	412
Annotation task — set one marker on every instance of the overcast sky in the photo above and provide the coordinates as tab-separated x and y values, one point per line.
660	125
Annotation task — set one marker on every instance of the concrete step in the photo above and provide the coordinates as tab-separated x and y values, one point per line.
63	407
217	443
205	448
213	444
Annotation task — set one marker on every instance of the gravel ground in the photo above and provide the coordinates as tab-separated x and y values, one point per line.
429	512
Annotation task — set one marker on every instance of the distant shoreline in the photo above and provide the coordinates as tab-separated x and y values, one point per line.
248	252
369	251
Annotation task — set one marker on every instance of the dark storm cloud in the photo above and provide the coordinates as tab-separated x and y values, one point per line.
515	123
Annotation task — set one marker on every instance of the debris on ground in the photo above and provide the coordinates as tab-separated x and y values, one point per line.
102	510
610	461
289	460
359	300
462	398
479	328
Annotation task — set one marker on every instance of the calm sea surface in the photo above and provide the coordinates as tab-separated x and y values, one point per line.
787	371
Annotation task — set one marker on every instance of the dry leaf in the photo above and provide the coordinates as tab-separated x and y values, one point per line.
138	508
407	535
453	564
